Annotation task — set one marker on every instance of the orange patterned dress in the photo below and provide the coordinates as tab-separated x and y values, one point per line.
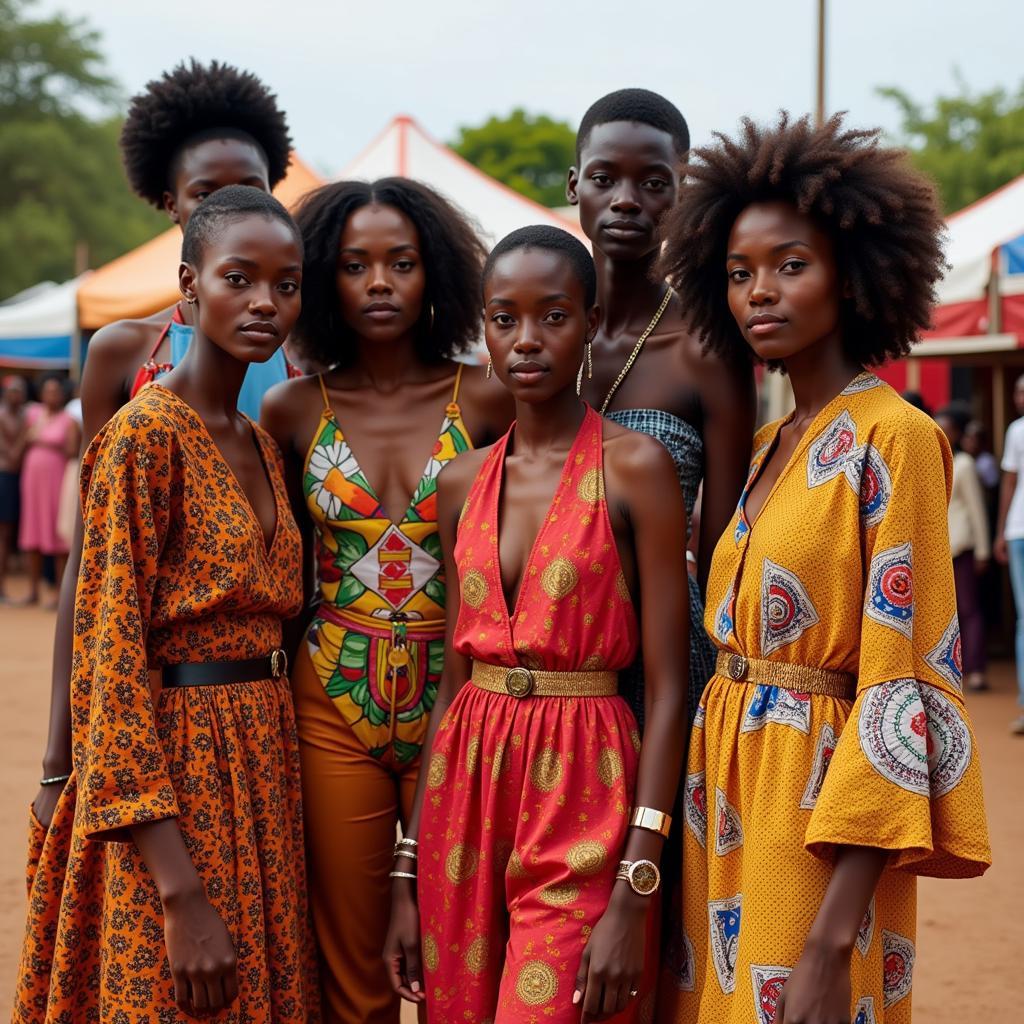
525	814
175	569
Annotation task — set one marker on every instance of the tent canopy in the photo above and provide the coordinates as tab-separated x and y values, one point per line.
405	150
36	326
984	237
145	280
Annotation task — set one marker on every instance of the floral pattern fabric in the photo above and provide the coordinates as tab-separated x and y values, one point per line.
175	569
378	579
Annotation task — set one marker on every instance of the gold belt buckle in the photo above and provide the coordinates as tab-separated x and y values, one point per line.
278	663
519	682
738	668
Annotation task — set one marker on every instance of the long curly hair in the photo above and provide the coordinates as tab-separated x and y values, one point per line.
881	214
453	258
199	100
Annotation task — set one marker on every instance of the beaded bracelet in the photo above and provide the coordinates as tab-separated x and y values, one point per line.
54	779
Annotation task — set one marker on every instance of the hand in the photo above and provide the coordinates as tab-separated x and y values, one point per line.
45	803
203	962
818	990
1001	551
402	946
613	960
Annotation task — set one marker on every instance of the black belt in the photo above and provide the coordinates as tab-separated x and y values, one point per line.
218	673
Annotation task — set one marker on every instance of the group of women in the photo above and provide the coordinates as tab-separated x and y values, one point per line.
278	624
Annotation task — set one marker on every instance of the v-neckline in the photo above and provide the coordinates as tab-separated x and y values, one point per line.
511	615
266	547
769	449
371	490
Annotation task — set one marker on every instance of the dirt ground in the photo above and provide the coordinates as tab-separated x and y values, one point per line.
970	934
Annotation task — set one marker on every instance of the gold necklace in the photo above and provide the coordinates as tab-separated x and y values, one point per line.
636	351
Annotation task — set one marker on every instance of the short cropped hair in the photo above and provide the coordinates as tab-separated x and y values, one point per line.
192	103
452	253
641	106
881	214
230	203
544	236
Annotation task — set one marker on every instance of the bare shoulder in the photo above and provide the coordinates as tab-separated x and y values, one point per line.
457	476
287	412
124	339
632	458
487	405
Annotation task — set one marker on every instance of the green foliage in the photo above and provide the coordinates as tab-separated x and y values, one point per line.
969	143
61	180
528	153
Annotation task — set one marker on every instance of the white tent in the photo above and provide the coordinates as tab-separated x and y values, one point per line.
36	326
405	150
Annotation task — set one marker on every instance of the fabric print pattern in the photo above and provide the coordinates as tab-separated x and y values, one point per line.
949	741
864	1012
777	705
827	456
866	930
870	479
945	657
890	591
767	982
786	609
823	752
697	807
893	729
724	917
175	570
728	828
898	956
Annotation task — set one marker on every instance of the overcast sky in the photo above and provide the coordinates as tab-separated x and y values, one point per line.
343	69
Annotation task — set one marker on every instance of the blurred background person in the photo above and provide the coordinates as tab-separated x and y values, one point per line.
52	440
13	433
969	545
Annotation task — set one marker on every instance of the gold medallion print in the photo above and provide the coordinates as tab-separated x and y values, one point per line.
609	766
474	588
586	857
472	754
560	894
621	588
558	578
475	956
591	486
546	770
461	863
431	954
500	762
437	772
537	983
516	868
634	738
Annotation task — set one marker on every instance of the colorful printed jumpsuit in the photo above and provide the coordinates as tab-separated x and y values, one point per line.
365	682
526	809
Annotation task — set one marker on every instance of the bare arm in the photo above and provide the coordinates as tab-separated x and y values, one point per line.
402	948
729	402
487	406
613	961
102	395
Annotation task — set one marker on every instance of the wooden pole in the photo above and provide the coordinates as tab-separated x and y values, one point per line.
75	359
819	114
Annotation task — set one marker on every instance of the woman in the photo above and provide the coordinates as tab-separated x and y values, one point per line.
389	298
13	433
541	817
832	759
52	440
969	545
185	888
192	131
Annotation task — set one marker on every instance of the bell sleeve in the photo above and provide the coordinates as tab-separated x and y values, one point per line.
127	482
905	775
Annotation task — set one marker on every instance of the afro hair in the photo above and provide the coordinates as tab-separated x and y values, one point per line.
881	215
195	100
640	106
552	239
452	254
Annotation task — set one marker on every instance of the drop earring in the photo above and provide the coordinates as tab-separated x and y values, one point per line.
590	359
490	368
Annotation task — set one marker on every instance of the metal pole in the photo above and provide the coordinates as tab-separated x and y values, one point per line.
819	114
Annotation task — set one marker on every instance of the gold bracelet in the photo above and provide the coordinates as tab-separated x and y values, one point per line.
652	820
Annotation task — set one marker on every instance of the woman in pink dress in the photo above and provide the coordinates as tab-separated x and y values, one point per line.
52	441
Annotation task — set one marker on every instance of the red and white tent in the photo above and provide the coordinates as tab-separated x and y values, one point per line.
405	150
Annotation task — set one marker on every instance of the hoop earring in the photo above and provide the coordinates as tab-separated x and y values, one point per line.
490	368
590	359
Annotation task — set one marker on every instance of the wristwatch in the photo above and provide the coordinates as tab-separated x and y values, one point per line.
643	876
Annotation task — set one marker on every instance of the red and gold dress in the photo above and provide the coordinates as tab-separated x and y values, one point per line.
526	809
175	570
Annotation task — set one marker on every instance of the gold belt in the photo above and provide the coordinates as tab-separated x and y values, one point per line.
801	678
526	682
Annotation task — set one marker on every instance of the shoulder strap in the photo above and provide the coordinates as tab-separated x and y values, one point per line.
458	381
323	391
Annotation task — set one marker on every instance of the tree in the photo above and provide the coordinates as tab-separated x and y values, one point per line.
530	153
970	144
61	180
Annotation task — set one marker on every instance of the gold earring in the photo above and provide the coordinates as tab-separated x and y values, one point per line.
431	316
490	368
590	359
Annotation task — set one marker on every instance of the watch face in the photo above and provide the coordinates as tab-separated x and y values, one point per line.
644	877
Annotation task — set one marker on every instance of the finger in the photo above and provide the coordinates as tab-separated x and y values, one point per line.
580	984
780	1008
413	974
593	997
214	993
230	983
198	986
396	975
610	1001
182	997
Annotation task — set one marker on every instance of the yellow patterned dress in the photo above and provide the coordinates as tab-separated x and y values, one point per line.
844	575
